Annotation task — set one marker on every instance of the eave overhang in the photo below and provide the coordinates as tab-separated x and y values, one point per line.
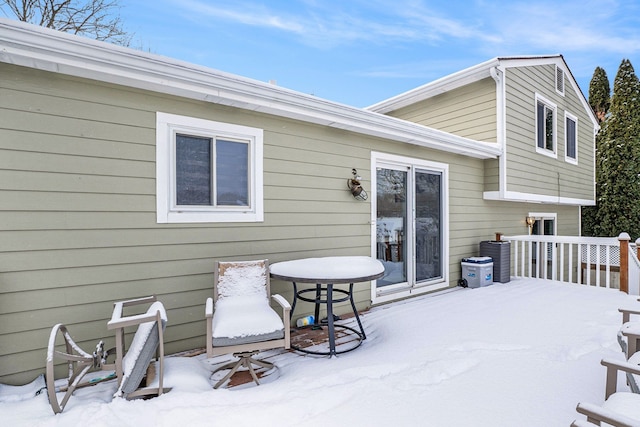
44	49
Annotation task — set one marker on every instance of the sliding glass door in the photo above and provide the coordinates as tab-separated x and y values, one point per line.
410	224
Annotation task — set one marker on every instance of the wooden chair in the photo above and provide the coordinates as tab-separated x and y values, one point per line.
240	319
629	340
129	367
621	408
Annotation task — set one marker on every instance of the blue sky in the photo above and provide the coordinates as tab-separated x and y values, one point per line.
359	52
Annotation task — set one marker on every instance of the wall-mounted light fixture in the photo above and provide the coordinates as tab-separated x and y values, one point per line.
355	187
530	221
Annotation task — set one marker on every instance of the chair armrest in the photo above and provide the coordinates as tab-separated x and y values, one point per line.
281	301
613	366
598	413
208	308
627	312
620	365
120	321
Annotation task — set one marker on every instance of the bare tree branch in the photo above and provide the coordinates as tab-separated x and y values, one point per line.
98	19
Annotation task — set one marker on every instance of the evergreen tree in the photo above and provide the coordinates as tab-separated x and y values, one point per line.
600	101
600	93
618	160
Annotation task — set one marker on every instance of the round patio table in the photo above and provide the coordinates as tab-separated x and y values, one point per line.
324	273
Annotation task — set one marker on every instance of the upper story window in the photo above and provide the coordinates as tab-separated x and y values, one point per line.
207	171
571	138
559	80
545	126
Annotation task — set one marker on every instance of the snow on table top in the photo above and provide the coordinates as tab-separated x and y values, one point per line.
339	268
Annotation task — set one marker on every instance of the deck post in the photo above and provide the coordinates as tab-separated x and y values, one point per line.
624	261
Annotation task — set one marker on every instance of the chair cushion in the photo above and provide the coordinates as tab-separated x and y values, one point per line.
242	278
141	351
245	319
623	403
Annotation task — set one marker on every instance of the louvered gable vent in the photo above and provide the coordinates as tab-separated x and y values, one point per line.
559	80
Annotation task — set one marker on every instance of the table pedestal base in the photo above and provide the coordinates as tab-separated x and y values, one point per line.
355	340
329	299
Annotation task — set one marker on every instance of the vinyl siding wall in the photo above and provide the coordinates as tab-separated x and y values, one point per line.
78	224
469	111
529	171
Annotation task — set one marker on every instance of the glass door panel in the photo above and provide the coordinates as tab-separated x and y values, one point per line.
391	223
428	225
543	227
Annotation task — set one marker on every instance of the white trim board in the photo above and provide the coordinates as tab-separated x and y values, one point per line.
515	196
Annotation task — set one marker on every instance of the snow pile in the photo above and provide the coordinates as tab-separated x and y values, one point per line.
521	354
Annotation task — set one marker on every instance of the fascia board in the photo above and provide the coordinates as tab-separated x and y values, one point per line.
516	196
40	48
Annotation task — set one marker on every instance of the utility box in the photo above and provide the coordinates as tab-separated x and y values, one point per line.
500	253
477	271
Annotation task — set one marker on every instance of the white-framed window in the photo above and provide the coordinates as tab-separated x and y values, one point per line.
207	171
571	137
545	126
559	80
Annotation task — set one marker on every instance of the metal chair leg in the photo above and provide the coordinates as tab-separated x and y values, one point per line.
245	360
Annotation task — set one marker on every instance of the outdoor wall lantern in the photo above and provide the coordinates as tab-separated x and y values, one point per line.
355	186
530	221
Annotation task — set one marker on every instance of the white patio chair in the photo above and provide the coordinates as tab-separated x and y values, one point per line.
240	319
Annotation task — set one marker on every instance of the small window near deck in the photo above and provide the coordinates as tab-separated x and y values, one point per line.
207	171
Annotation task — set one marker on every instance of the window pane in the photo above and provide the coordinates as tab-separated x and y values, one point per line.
428	225
232	173
391	223
540	125
193	170
549	128
571	138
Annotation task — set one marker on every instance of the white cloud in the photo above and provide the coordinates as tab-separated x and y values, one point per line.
247	14
573	26
330	24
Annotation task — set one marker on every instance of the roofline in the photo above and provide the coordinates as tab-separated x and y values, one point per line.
436	87
49	50
472	75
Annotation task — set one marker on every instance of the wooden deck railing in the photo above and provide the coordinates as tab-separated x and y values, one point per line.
599	261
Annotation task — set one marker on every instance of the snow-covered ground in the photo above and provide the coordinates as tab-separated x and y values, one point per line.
517	354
